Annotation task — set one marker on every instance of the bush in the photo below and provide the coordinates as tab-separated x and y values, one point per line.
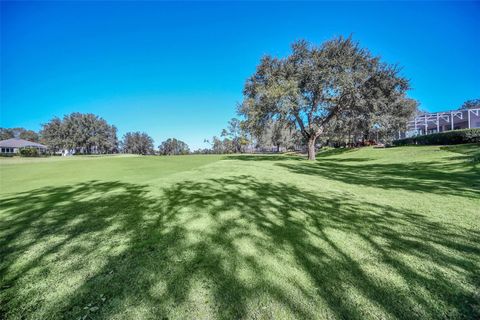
443	138
29	152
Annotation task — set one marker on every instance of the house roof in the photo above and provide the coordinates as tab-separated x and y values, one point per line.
20	143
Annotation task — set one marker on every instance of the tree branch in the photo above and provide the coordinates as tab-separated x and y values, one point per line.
301	125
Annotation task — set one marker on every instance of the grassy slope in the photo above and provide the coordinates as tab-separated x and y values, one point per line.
371	233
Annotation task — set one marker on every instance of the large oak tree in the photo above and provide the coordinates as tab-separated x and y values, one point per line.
318	85
82	132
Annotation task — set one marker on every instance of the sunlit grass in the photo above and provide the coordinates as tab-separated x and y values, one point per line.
369	233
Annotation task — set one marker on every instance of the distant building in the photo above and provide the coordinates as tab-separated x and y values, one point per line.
433	122
14	145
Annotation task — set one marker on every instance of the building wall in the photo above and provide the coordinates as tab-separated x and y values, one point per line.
418	125
8	150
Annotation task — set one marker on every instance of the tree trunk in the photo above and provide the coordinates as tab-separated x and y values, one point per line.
311	148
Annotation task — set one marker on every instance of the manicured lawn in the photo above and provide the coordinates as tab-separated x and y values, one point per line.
364	234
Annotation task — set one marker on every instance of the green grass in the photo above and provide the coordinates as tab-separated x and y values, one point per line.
362	234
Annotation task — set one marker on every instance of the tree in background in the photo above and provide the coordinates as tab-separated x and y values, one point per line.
470	104
137	143
83	133
379	125
22	133
236	136
315	86
5	134
219	146
111	142
29	135
173	146
276	133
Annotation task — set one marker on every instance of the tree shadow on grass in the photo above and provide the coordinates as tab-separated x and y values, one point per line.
228	248
430	177
328	152
468	152
472	149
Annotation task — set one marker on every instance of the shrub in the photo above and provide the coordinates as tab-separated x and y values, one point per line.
443	138
29	152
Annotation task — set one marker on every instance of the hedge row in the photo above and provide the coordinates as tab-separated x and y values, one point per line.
442	138
29	152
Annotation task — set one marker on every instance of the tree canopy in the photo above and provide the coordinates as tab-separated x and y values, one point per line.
470	104
236	136
233	139
318	88
137	143
173	146
279	134
84	133
219	146
22	133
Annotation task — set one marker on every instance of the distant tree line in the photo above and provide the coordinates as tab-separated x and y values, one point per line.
22	133
79	133
275	136
233	139
471	104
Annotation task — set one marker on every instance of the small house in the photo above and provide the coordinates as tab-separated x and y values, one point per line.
14	145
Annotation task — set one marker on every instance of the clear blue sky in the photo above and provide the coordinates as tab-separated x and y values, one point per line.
177	70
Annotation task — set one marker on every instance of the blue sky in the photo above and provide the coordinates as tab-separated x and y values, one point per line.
177	69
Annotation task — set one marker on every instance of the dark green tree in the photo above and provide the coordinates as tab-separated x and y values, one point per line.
315	86
470	104
137	143
173	146
53	135
84	133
